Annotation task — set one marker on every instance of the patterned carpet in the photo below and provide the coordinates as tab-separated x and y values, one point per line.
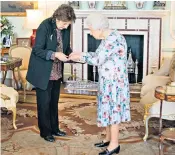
78	118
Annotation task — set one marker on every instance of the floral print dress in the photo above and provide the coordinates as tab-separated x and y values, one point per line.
113	89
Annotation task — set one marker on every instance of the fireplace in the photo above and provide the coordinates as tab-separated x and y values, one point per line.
135	45
142	28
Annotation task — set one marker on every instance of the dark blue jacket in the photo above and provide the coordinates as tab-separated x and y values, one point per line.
40	65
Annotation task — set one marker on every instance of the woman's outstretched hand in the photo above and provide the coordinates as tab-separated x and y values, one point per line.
61	56
75	56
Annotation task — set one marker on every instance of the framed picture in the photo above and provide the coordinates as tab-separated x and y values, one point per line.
17	8
159	5
74	4
115	5
23	41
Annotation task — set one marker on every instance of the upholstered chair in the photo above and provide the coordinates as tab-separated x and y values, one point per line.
165	75
9	98
23	52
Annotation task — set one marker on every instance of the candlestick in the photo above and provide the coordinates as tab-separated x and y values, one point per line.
136	70
94	71
75	73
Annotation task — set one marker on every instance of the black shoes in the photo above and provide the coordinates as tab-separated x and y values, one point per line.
107	152
49	138
102	144
59	133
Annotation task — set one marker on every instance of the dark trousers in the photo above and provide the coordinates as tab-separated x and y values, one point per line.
47	107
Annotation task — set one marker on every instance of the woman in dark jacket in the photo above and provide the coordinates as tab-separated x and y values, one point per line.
51	49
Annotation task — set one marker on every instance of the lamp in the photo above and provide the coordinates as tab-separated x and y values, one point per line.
33	19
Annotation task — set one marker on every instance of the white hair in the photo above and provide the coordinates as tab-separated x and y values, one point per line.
97	21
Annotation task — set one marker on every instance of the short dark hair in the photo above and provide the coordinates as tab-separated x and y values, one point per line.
64	13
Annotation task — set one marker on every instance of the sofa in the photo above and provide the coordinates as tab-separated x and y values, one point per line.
165	75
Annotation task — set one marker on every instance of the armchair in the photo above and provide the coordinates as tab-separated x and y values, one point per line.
24	53
8	99
163	76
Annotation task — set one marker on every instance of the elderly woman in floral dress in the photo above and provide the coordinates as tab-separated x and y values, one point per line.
113	88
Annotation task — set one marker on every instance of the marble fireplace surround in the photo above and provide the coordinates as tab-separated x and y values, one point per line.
146	23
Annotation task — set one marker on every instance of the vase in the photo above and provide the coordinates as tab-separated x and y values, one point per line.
92	4
7	41
140	4
135	5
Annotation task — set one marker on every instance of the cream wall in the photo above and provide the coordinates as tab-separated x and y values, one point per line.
168	43
19	30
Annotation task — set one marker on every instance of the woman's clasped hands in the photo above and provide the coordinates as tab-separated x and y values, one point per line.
74	56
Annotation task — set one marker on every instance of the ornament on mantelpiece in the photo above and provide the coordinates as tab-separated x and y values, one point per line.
94	72
159	5
140	4
75	74
92	4
115	5
130	63
136	70
74	4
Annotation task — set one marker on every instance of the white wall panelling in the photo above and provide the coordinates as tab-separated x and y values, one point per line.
146	23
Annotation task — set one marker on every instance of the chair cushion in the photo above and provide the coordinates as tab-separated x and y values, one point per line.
21	52
151	82
12	94
168	108
148	98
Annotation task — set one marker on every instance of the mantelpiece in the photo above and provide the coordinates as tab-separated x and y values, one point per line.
132	13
